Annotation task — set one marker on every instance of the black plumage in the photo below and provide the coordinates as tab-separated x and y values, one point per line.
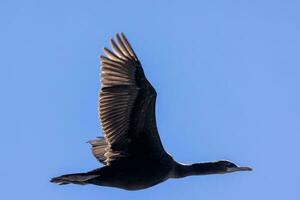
131	149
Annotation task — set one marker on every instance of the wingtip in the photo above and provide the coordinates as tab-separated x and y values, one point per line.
124	38
120	33
112	40
123	35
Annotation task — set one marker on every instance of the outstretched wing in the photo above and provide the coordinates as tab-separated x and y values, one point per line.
126	107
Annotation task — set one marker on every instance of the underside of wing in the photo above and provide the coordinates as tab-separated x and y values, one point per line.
126	106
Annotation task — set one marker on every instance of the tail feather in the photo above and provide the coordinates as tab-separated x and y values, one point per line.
79	178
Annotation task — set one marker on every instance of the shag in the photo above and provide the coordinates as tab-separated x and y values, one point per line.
131	150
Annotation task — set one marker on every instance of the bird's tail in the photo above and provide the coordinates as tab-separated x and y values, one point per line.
79	178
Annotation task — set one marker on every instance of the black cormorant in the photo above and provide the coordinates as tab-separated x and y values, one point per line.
131	149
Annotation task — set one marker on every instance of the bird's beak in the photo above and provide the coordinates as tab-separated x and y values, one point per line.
236	169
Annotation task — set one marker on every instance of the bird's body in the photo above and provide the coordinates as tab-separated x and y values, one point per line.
144	173
131	149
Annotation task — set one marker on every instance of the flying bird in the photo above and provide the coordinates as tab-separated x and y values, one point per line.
131	150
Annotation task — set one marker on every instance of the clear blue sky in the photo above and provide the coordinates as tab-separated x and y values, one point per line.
227	75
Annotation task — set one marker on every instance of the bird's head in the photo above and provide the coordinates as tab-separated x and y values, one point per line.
225	166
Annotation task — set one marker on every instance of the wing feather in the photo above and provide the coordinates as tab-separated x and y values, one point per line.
126	106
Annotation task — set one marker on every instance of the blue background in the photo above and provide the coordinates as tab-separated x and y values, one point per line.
227	76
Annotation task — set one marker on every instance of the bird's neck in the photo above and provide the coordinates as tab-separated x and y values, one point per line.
183	170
